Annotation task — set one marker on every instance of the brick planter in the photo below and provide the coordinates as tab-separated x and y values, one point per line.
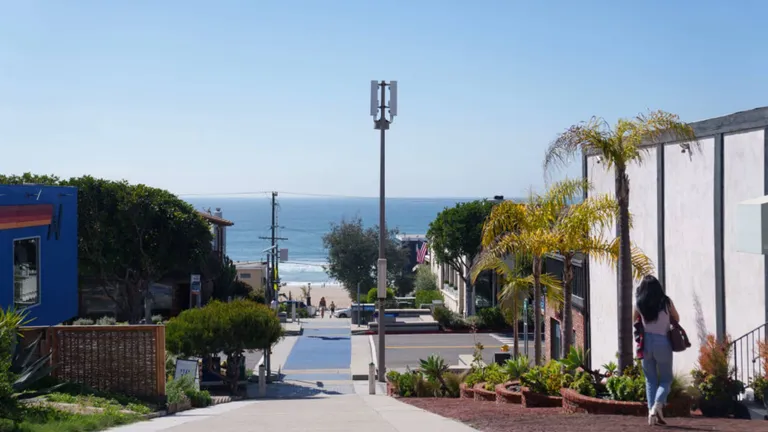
184	405
536	400
466	392
506	396
481	394
391	388
573	403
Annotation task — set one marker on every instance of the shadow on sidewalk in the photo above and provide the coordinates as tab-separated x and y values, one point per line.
301	390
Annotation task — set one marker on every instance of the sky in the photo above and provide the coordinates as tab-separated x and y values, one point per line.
205	98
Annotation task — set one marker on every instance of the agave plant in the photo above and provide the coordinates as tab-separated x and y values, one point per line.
434	367
516	367
27	367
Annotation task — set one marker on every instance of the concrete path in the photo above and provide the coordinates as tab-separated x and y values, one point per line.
318	394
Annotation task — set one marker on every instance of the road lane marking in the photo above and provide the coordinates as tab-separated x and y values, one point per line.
440	347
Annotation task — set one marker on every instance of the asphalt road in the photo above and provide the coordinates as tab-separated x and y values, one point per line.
406	350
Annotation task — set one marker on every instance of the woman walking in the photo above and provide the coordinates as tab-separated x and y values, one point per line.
333	308
656	312
322	307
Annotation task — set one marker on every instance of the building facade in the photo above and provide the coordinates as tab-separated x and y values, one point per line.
38	252
683	200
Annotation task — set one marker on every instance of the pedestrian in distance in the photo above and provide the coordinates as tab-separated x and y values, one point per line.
322	307
333	308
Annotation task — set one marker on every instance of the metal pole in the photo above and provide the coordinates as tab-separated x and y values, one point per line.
359	312
382	233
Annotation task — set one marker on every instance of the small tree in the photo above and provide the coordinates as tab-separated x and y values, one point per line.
456	236
425	279
230	328
353	251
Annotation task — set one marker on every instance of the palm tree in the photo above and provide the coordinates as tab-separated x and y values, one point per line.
618	147
520	229
579	227
517	282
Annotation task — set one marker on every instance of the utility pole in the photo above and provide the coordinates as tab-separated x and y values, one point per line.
382	123
273	278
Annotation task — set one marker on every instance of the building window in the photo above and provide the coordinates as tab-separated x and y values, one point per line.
26	272
245	275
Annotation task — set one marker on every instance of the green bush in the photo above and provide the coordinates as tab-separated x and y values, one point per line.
626	388
494	374
584	384
425	280
448	319
452	382
83	322
474	377
406	383
106	321
426	297
547	379
759	385
176	390
516	367
491	319
373	295
230	328
199	398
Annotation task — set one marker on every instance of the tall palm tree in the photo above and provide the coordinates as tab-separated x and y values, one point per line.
579	227
517	281
619	146
520	229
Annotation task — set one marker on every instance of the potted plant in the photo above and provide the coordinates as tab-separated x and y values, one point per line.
510	391
713	379
493	376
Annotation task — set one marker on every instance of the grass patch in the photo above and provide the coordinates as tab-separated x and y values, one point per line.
45	419
99	402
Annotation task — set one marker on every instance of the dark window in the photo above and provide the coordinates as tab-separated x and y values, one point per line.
26	272
553	264
245	275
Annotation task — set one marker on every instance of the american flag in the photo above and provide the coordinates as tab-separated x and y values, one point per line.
422	253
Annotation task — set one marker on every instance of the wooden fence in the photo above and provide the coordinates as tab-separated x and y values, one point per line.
128	359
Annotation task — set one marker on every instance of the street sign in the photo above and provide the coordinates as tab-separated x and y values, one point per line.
187	367
283	255
194	283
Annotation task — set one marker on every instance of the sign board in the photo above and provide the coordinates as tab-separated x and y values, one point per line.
283	255
185	367
194	283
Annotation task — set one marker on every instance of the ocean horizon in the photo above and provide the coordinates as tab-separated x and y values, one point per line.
304	221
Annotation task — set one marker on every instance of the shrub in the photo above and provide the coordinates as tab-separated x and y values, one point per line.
199	398
373	295
626	388
106	321
494	374
425	280
406	383
83	322
230	328
584	384
712	377
547	379
176	390
426	387
491	319
474	377
516	367
452	382
426	297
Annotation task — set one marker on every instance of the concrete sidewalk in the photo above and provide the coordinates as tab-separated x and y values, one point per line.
341	413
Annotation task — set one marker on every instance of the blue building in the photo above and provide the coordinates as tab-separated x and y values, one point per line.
38	251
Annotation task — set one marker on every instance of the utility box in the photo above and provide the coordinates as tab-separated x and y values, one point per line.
752	226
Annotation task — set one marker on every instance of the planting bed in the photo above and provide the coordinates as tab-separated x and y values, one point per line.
537	400
481	394
509	393
573	403
466	392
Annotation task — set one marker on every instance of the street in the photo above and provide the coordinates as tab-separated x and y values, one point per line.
406	350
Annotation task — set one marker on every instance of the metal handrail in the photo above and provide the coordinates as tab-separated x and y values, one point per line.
746	351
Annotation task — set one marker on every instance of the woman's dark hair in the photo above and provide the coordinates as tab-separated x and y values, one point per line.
651	298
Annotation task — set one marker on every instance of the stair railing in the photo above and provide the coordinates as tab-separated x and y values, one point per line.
746	355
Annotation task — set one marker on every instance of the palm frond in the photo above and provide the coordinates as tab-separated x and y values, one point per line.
608	252
489	261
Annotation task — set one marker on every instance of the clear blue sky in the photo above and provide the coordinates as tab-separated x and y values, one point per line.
231	96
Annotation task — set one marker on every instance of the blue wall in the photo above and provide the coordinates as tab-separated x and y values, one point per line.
58	256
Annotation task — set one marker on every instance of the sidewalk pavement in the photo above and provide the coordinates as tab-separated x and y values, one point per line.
318	394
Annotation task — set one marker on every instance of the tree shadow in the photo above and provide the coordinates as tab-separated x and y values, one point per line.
701	325
329	338
297	390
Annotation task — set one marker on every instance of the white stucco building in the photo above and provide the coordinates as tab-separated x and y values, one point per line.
683	201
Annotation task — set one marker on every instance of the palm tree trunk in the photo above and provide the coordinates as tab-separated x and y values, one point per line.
567	336
536	310
624	271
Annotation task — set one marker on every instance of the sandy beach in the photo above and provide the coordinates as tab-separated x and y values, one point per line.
332	293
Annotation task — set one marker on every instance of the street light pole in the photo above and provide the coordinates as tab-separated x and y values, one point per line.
382	124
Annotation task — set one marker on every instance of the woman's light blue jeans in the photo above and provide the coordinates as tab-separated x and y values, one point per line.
657	367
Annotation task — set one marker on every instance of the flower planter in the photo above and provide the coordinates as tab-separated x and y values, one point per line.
174	408
391	388
530	399
481	394
506	396
573	403
466	392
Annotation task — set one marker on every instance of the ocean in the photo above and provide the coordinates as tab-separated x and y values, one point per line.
304	221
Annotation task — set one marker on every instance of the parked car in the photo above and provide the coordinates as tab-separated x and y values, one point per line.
288	303
343	313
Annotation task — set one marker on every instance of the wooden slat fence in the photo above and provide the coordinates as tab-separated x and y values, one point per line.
128	359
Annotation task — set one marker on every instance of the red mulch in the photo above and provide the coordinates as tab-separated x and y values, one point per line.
491	417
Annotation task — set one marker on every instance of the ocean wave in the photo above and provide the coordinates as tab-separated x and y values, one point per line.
302	267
